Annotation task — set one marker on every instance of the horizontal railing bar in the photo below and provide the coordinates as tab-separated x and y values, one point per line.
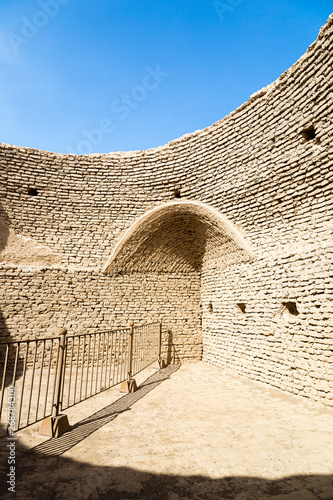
120	329
27	340
100	332
113	332
146	324
41	339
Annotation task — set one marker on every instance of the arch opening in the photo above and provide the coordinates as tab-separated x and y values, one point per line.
178	237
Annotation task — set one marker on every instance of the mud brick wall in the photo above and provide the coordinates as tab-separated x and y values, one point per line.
279	332
37	303
83	233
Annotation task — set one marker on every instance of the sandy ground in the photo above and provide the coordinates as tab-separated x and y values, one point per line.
194	432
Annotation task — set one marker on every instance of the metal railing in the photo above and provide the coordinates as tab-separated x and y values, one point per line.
46	376
28	370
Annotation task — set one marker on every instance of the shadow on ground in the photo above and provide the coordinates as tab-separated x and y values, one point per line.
81	430
42	473
65	479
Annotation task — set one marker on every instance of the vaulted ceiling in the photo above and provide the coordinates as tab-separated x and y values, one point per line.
178	237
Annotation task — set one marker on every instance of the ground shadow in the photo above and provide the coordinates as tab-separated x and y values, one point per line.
55	447
42	476
172	353
43	473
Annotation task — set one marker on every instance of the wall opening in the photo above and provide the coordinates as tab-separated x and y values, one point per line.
241	306
308	134
291	308
32	192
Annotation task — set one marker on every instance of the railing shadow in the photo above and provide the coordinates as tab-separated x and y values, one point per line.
42	473
81	430
172	353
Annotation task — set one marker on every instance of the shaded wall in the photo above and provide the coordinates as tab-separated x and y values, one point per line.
39	302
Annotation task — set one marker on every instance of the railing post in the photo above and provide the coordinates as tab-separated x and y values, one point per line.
60	371
57	425
160	361
129	385
130	352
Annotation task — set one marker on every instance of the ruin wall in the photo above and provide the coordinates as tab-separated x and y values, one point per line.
267	167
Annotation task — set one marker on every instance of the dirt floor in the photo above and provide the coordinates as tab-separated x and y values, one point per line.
194	432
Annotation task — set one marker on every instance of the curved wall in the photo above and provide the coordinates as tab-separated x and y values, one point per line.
267	168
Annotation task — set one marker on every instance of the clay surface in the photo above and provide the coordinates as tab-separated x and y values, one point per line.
17	249
194	432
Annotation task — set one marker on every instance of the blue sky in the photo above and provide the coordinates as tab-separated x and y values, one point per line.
98	76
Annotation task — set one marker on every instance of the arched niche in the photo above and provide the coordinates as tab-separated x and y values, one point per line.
178	237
